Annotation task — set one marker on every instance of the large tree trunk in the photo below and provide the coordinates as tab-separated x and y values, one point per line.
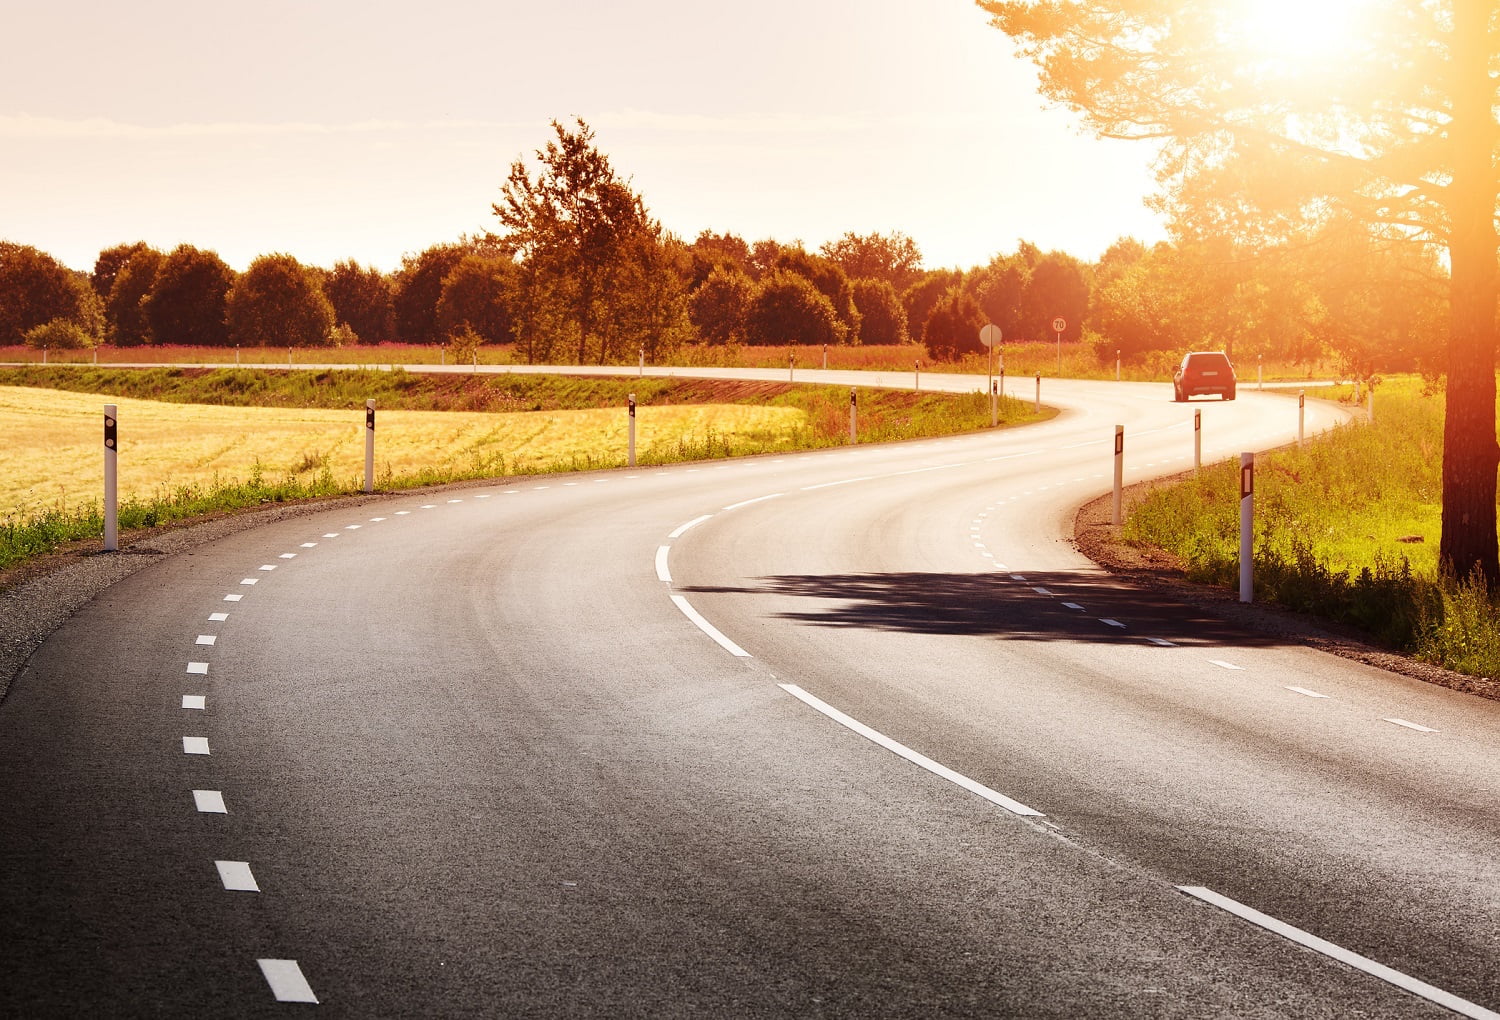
1471	455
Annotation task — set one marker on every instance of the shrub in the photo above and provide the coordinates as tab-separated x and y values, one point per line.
60	333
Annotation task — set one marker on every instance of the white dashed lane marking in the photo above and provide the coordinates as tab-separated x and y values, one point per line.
1225	665
708	628
195	745
209	802
250	580
1161	642
194	701
206	639
332	534
288	556
1111	623
233	598
217	617
236	876
309	545
1411	725
286	981
1306	693
267	566
662	573
197	668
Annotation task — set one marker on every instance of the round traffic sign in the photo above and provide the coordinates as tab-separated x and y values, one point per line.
990	335
1059	324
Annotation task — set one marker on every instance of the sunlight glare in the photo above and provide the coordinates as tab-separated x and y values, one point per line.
1291	31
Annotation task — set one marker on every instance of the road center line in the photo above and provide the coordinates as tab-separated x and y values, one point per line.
1015	807
1306	939
1306	693
708	628
198	701
1225	665
197	669
1410	725
662	574
682	528
195	745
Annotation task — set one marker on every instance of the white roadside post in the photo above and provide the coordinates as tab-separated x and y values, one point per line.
1197	440
1370	398
1039	393
1301	414
111	481
994	404
1116	518
1002	376
1247	526
791	367
236	355
916	375
643	362
1117	364
825	357
632	431
370	445
853	417
1260	379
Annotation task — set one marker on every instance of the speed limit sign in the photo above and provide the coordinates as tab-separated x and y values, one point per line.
1059	325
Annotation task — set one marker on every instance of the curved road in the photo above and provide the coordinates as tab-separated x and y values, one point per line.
854	733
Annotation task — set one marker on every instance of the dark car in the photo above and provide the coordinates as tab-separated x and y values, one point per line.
1203	372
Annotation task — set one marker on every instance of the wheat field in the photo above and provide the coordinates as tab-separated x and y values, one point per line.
52	452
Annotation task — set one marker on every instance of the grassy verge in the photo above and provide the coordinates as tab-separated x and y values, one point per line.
1346	528
299	435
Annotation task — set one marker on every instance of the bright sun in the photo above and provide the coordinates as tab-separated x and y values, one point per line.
1298	30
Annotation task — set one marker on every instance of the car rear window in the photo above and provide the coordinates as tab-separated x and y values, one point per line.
1199	362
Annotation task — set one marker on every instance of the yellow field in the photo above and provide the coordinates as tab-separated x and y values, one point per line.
52	452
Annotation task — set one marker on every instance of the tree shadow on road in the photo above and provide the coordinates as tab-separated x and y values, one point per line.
1035	607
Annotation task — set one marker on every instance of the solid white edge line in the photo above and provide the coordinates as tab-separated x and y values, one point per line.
757	499
708	628
286	981
1015	807
1306	939
661	563
682	528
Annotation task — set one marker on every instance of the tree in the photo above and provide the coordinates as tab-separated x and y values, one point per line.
35	288
1057	286
882	319
824	274
186	304
894	258
278	301
788	309
476	296
719	306
921	296
712	250
1391	124
419	288
1000	288
124	308
953	325
361	299
110	262
595	270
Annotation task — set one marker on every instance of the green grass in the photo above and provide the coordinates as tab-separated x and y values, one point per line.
1330	519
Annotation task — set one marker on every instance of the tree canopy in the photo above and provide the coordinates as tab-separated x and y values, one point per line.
1390	124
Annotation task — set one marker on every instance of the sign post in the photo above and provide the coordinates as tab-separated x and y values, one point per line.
989	335
370	445
111	481
1059	324
1247	526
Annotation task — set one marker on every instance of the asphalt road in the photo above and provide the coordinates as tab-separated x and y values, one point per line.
854	733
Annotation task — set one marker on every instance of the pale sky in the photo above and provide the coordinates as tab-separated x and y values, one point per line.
337	129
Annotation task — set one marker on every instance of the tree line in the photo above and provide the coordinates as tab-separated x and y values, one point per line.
581	272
